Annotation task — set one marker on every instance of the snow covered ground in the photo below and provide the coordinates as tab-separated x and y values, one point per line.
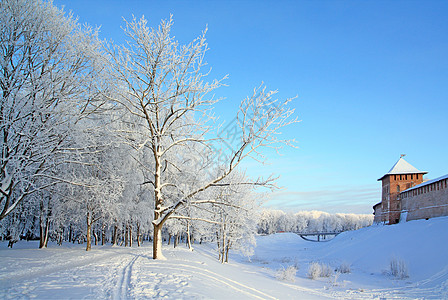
68	272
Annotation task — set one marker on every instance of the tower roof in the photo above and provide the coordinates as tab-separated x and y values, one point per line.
402	167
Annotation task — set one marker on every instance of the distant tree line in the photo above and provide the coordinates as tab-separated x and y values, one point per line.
272	221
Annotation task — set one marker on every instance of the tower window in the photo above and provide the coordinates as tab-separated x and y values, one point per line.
398	188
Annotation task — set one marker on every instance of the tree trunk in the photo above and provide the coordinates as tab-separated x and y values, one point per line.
89	229
224	242
126	235
60	237
115	235
176	240
103	235
70	233
157	243
158	221
169	238
218	245
95	237
229	244
223	249
139	242
130	235
189	237
44	226
43	240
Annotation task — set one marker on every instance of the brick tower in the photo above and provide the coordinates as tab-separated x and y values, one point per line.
400	177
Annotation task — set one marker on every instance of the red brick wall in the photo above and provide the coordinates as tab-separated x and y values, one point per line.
427	201
385	199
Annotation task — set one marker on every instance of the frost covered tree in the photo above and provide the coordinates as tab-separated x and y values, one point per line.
235	215
267	223
161	84
97	173
272	221
47	66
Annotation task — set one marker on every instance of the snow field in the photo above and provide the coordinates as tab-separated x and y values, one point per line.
106	272
130	273
422	245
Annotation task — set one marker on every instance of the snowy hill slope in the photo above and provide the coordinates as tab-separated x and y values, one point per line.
68	272
422	245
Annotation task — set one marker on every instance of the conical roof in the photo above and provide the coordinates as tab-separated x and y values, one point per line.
402	167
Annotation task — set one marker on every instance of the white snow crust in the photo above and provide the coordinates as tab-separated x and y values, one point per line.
106	272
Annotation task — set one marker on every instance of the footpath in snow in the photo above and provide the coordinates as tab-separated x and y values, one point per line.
68	272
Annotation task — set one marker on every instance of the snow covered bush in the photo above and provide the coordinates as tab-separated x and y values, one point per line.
287	274
326	270
316	270
334	279
343	268
398	268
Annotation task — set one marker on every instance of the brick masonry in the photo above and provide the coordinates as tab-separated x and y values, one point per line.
389	210
427	201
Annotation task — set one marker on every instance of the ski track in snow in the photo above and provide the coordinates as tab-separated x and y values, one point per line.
143	277
208	275
118	275
124	280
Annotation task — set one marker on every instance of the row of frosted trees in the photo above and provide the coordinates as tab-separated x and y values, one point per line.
103	142
272	221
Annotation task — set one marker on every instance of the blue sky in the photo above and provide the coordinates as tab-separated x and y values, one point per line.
371	79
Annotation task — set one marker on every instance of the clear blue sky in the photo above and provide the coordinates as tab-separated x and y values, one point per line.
371	79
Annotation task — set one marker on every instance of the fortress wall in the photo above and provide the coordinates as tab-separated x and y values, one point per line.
428	201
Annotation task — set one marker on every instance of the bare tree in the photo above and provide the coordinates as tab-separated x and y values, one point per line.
161	85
